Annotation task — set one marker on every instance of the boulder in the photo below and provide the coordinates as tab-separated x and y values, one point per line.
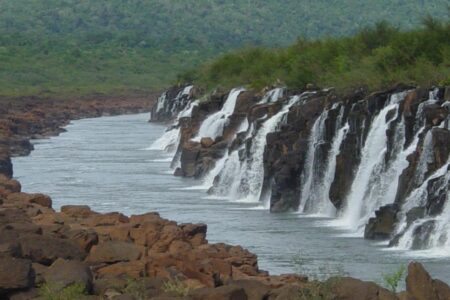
77	211
39	199
15	274
254	289
346	288
64	273
133	269
221	293
420	285
11	185
382	226
112	252
46	249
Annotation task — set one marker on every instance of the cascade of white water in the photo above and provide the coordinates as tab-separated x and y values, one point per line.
171	138
214	125
272	95
242	180
440	236
426	157
252	171
319	202
161	102
357	204
311	174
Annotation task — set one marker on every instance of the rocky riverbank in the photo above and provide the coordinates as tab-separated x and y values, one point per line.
114	256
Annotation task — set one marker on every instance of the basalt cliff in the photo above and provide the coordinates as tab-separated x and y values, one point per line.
378	163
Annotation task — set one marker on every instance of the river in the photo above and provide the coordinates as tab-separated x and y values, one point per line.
105	163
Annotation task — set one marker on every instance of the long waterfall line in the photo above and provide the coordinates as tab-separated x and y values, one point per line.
356	210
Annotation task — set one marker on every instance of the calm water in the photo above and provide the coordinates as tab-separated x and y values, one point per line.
104	163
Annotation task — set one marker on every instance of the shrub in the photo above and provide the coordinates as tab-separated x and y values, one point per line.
54	291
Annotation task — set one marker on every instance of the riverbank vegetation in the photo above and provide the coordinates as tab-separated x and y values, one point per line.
375	57
71	47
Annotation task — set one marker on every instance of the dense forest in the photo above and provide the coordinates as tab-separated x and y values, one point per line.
57	47
376	57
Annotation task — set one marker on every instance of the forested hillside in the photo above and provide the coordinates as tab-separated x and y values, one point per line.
118	46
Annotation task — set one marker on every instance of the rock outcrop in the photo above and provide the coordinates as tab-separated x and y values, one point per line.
306	150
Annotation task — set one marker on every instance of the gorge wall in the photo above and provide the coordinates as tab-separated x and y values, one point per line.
378	163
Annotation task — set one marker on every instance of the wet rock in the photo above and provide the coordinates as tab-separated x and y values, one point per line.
382	226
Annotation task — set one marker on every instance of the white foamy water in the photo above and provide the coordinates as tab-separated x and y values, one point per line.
214	124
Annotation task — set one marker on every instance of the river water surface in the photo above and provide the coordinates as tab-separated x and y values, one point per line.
105	163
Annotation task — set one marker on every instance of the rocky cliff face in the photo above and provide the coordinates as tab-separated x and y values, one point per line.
369	160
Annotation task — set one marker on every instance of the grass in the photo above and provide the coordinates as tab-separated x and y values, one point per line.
53	291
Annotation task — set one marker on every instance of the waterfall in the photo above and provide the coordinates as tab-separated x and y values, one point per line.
359	202
243	180
171	138
311	174
272	95
161	102
319	202
440	235
214	125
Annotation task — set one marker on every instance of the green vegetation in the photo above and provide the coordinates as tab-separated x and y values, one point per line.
392	281
317	290
73	47
176	287
56	292
376	57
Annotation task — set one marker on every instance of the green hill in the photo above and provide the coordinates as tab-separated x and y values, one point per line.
74	47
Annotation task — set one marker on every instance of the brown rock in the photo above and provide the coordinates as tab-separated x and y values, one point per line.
254	289
178	248
119	232
77	211
15	274
108	219
46	249
220	293
27	295
39	199
420	285
65	273
85	238
133	269
168	234
347	288
151	217
114	251
11	185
